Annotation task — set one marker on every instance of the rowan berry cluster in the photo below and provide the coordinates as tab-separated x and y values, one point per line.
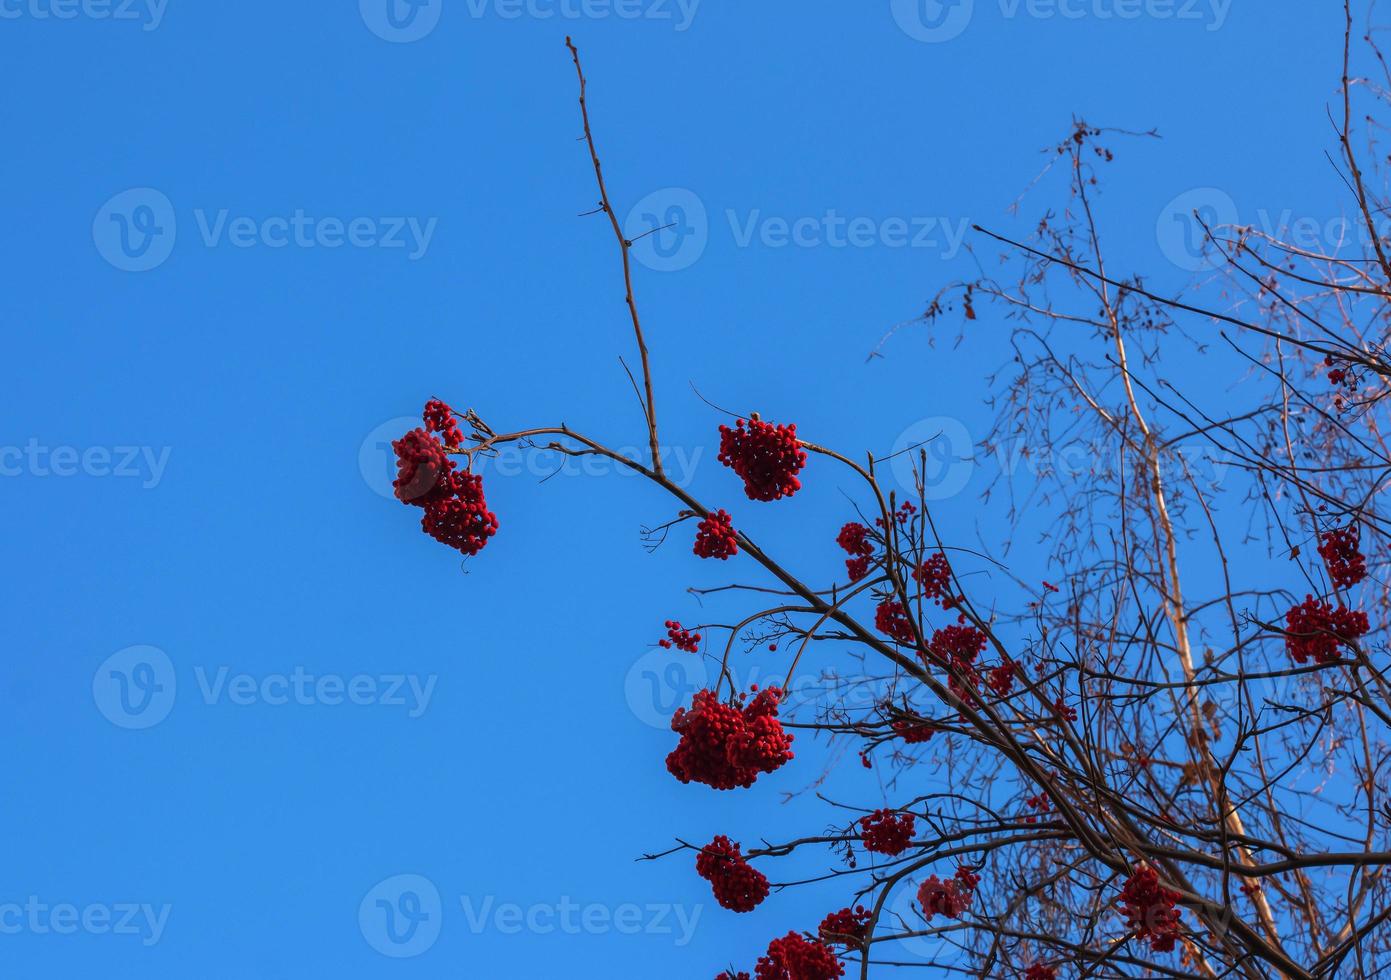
854	538
1001	678
957	647
439	417
849	928
794	957
949	898
1040	972
892	619
934	576
1314	630
913	732
680	638
715	537
737	885
725	745
887	832
456	512
1340	550
1039	804
1149	910
767	457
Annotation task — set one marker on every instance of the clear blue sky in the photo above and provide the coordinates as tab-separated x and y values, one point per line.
209	323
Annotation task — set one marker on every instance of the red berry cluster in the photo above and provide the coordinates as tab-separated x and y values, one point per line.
892	619
463	521
679	638
900	516
422	469
767	457
913	733
794	957
715	537
950	897
934	575
456	513
887	832
1340	549
439	417
855	540
1340	378
1149	910
728	745
957	647
738	886
1040	972
1315	630
1040	804
731	975
845	928
1001	678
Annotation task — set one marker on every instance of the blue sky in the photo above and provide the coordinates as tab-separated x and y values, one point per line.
242	694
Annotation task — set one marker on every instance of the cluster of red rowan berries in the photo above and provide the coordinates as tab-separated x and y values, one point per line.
680	638
794	957
956	647
1040	972
1039	804
892	619
456	512
725	745
715	537
1342	378
949	898
737	885
1341	551
1001	678
767	457
848	928
439	417
1314	630
1149	910
854	539
887	832
934	576
913	732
